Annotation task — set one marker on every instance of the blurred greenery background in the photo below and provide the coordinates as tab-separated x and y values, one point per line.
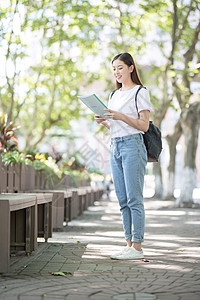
51	51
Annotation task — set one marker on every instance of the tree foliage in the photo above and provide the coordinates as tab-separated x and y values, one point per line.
51	49
44	62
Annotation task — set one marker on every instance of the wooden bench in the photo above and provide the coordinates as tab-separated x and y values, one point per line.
64	206
57	207
18	226
68	204
44	214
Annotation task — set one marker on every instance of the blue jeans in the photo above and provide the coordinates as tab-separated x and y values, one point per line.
128	162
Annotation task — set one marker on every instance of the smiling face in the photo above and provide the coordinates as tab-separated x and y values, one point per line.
121	71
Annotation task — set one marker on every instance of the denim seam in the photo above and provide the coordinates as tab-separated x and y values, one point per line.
139	166
139	170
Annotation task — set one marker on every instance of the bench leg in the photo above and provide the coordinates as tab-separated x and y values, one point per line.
5	237
46	221
50	223
67	210
34	228
28	230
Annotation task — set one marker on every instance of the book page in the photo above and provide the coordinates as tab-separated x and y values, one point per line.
94	104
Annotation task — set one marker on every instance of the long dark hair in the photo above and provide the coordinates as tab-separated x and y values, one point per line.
128	60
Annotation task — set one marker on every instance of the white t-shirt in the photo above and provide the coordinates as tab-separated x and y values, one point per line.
124	102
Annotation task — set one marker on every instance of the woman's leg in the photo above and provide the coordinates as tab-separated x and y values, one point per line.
133	163
120	189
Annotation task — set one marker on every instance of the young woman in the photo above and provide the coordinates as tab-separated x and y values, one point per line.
128	153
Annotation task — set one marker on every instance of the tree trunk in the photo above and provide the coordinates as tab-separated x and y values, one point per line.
172	140
190	125
158	180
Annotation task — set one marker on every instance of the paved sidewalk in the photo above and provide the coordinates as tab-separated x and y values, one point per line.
82	252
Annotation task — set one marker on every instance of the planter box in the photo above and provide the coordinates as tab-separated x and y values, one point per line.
65	181
16	178
3	177
27	177
52	182
39	179
10	179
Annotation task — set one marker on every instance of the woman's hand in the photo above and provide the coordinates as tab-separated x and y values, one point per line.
102	121
99	119
114	115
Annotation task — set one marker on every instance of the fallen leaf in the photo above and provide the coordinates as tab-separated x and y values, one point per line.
61	273
67	273
144	260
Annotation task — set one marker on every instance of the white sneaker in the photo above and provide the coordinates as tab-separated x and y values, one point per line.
130	253
124	250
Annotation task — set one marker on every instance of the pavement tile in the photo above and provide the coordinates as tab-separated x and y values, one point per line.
13	297
90	267
27	297
189	296
167	297
48	297
103	268
172	249
76	297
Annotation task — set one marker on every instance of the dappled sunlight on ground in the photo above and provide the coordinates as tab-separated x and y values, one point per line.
168	247
167	244
170	270
165	213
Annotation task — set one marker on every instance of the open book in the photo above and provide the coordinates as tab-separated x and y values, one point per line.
94	104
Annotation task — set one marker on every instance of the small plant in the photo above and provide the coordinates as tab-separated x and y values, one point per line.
8	140
42	162
75	162
9	158
15	157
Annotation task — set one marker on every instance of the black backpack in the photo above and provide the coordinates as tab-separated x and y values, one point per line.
152	137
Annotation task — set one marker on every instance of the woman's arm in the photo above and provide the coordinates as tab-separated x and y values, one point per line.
141	124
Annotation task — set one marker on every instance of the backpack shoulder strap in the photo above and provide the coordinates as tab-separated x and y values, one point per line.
113	93
140	87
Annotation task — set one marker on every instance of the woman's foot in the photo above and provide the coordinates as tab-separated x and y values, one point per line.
124	250
129	253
